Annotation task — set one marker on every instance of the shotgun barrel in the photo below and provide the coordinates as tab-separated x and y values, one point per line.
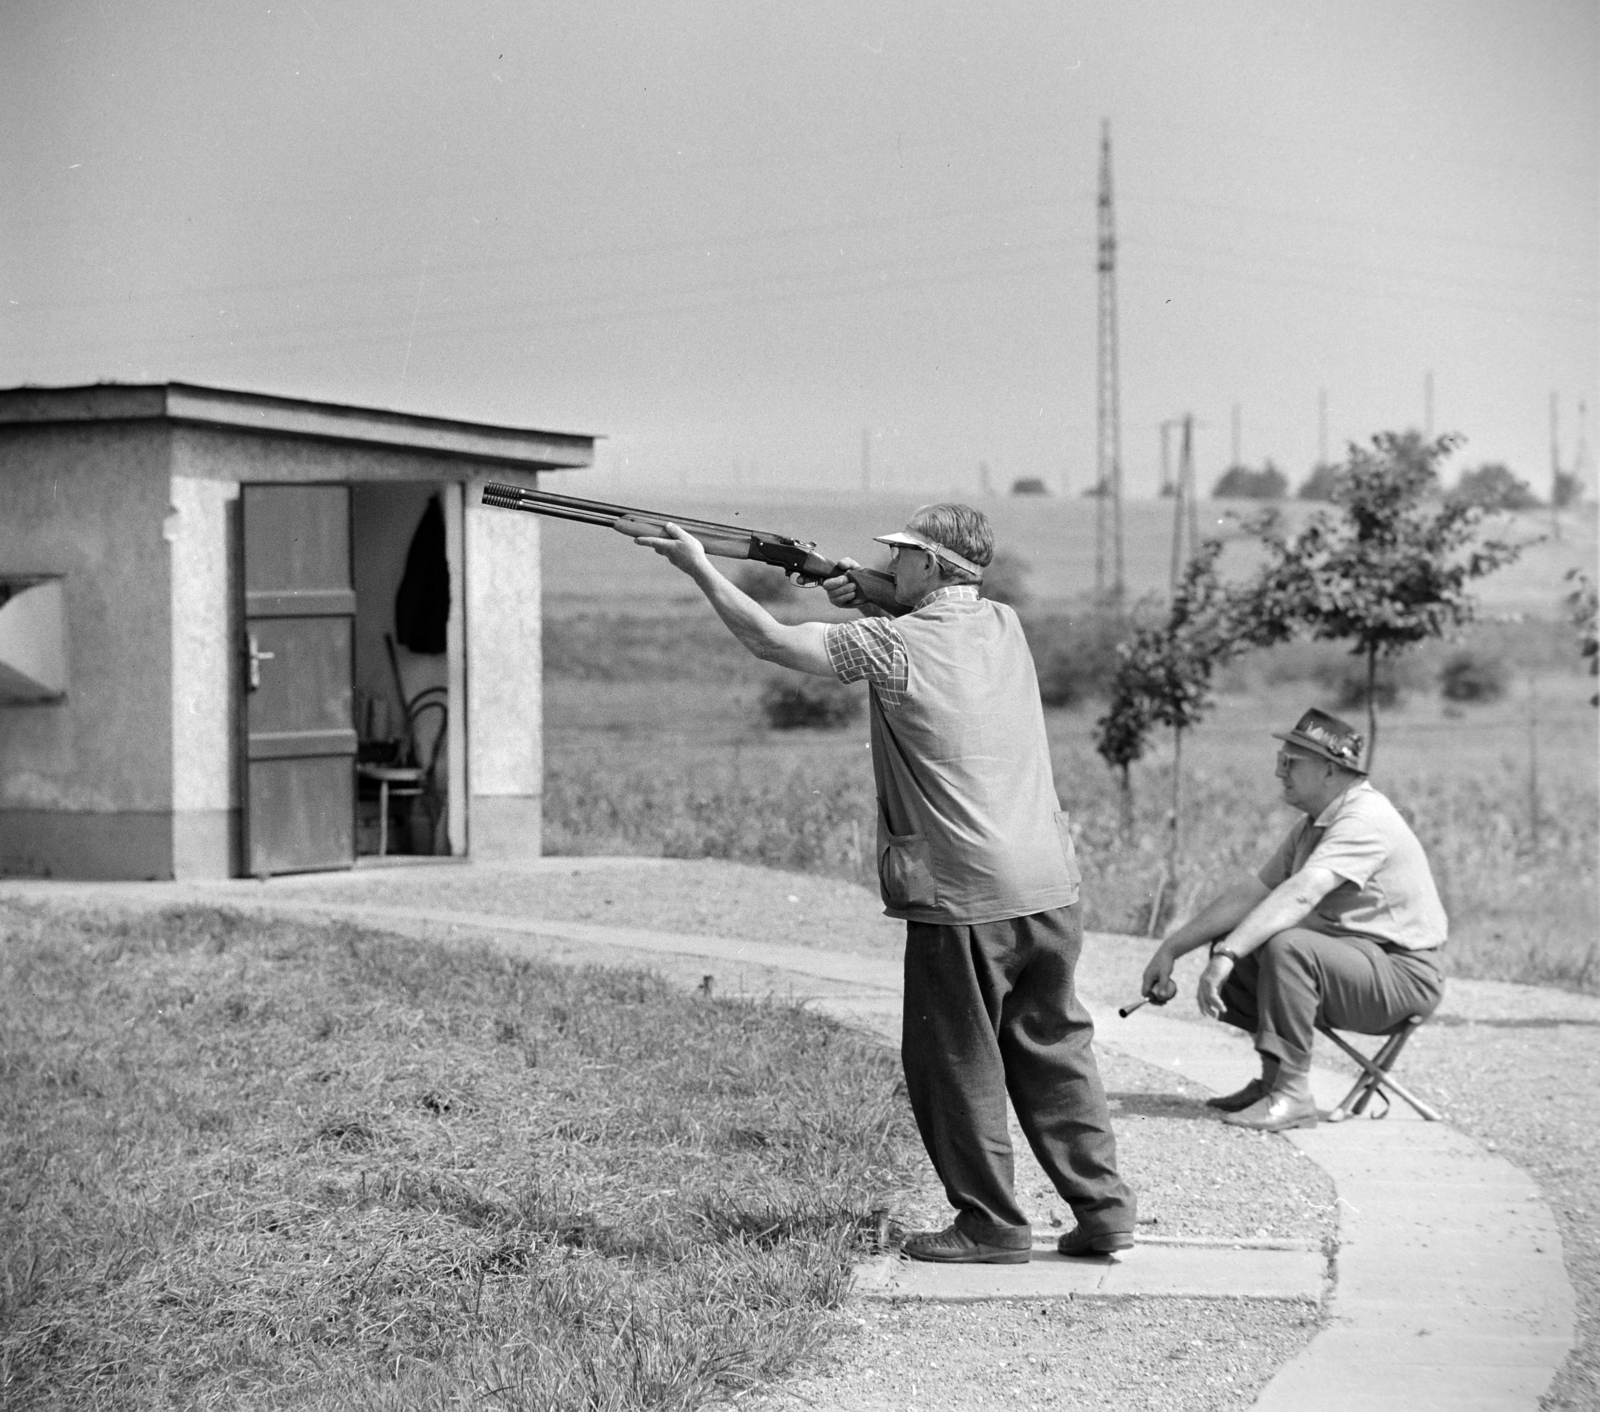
796	557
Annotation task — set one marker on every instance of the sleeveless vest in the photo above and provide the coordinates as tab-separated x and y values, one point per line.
969	826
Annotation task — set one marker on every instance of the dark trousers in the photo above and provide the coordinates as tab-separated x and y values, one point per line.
992	1010
1281	990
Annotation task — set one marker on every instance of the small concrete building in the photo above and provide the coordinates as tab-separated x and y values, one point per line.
245	635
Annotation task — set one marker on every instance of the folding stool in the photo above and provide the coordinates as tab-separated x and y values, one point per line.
1376	1078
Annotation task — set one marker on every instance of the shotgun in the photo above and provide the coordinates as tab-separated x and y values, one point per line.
797	558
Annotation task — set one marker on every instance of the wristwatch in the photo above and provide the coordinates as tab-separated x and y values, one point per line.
1220	950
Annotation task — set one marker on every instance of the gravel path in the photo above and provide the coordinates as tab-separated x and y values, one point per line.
1146	1355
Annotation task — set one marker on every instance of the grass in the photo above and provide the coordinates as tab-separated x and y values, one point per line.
683	768
261	1164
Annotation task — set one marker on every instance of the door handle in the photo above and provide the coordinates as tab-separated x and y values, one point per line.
257	657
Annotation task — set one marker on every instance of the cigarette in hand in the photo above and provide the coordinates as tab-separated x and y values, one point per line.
1127	1010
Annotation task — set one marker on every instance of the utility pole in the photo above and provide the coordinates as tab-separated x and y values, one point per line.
1580	453
1166	459
1108	461
1185	512
1555	467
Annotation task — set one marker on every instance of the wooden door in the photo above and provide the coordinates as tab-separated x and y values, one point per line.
299	697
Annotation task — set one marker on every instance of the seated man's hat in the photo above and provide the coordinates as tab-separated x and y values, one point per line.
913	540
1328	737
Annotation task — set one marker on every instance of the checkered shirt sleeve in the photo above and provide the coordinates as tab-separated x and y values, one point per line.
872	648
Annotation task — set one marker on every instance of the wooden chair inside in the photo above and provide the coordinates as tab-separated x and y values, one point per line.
413	777
1376	1080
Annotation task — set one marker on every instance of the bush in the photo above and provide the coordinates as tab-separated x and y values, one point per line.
1345	682
1075	654
1471	676
1242	483
794	703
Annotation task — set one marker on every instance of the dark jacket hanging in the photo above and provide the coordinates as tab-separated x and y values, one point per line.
422	603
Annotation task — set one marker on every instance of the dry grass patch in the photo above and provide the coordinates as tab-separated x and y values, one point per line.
264	1164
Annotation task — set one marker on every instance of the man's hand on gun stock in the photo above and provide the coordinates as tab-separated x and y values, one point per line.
842	591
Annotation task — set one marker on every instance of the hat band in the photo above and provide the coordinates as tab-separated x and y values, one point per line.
904	538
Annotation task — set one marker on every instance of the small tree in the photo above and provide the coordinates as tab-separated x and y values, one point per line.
1243	483
1164	678
1391	571
1492	487
1121	739
1583	603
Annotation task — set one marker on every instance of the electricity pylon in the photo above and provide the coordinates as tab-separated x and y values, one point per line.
1108	421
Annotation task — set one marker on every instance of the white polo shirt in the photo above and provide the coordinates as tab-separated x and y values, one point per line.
1387	892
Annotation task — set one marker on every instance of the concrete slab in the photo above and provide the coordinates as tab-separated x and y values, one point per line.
1194	1272
1355	1385
1433	1228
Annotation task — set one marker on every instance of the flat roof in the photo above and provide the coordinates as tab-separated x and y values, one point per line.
292	416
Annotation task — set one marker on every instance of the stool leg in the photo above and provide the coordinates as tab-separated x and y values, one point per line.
383	817
1376	1078
1383	1060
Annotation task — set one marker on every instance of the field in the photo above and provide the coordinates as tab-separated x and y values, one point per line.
1054	537
265	1164
655	744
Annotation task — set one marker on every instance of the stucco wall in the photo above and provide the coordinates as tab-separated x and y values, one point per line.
505	674
200	530
89	502
247	456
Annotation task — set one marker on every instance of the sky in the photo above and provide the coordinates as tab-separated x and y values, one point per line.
762	247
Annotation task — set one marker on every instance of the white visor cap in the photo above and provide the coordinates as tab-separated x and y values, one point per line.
906	539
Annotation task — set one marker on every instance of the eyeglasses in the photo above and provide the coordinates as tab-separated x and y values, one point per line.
1285	759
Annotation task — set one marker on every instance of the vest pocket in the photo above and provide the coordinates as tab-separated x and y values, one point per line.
1068	851
905	874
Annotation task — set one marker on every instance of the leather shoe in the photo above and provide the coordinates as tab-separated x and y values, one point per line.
1274	1113
1078	1241
1239	1099
952	1247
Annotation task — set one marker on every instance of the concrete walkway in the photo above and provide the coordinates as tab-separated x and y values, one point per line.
1448	1289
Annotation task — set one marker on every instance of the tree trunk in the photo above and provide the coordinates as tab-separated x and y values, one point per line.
1174	836
1372	704
1126	800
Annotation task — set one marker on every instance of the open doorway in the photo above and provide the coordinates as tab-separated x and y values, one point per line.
406	562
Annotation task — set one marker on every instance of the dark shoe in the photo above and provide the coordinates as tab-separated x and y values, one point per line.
1240	1099
1078	1241
951	1247
1274	1113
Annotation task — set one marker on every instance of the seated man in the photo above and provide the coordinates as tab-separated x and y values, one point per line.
1343	926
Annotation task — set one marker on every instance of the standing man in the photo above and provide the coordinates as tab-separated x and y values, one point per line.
975	857
1343	925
